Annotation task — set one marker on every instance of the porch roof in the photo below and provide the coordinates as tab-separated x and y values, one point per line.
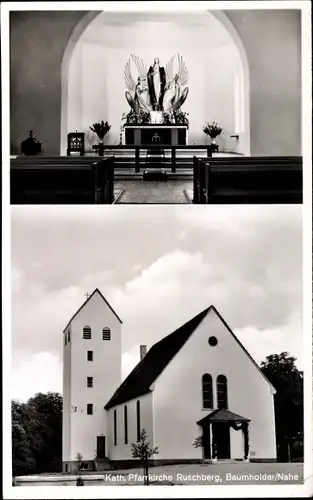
222	415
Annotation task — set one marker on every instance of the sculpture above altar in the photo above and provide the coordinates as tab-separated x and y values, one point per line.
159	93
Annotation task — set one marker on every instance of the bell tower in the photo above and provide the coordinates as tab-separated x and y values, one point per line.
91	374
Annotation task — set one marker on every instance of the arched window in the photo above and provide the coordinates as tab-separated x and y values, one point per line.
125	425
222	396
207	391
115	428
138	420
106	333
86	332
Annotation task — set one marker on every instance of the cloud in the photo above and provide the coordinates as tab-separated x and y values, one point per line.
158	267
40	373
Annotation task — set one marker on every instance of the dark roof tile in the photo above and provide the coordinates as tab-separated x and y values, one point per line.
223	415
151	366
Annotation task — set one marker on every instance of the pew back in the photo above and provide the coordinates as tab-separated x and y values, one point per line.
248	180
68	182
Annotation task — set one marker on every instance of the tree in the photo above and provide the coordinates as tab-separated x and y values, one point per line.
79	480
281	371
47	417
23	461
143	451
37	434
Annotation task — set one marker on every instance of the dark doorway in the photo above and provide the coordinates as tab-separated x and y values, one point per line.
222	439
206	442
100	446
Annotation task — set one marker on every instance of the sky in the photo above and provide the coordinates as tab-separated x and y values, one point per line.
158	266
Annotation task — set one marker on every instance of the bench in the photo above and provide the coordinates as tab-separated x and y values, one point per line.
36	180
247	180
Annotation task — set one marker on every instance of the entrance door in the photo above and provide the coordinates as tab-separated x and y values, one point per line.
100	446
222	439
206	442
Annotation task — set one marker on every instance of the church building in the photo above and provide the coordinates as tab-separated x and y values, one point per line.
197	384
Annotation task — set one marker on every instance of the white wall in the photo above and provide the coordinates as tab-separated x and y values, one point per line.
96	76
105	370
178	395
122	451
66	398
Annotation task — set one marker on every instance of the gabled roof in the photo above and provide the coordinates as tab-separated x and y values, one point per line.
87	300
222	415
157	358
244	349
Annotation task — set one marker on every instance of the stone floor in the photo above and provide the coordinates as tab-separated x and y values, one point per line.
140	191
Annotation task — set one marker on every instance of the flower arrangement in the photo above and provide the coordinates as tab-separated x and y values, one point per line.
101	129
212	130
178	117
181	118
133	118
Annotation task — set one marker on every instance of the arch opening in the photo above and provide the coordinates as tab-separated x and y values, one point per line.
93	64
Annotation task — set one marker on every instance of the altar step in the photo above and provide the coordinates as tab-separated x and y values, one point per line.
155	174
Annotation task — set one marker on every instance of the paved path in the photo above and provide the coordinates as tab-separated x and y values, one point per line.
139	191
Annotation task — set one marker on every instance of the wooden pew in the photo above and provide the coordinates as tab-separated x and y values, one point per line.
248	180
36	180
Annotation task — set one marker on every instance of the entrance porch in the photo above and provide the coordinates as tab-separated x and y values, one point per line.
216	439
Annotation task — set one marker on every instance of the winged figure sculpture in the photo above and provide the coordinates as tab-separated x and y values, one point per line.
159	88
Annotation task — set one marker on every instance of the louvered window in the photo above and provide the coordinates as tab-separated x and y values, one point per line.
106	334
87	332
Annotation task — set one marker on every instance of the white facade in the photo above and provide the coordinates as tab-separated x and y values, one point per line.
178	407
80	430
122	450
170	411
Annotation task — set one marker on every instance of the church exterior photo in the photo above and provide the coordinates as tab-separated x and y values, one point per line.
197	382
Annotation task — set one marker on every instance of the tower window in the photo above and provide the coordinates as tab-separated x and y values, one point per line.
106	333
65	339
69	335
222	395
115	428
89	409
125	425
207	391
138	420
89	355
89	381
86	332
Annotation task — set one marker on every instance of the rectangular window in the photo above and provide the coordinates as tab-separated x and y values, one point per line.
125	425
69	336
89	381
115	428
138	420
65	339
89	409
89	355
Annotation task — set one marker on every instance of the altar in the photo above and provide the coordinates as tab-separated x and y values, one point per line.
152	134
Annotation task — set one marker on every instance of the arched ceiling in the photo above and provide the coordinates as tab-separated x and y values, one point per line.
114	29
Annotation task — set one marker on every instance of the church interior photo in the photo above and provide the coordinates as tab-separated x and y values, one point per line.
156	107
